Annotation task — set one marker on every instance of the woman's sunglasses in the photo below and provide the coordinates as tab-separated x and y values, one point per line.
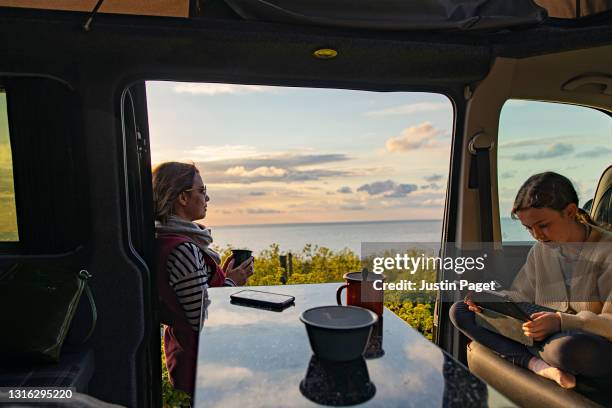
202	190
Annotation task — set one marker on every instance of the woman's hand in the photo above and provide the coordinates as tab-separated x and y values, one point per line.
227	261
471	305
241	273
542	325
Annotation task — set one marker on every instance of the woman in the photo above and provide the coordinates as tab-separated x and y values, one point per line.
187	265
568	269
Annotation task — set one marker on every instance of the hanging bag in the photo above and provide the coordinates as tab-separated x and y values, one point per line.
37	305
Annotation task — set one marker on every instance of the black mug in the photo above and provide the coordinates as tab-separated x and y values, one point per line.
240	255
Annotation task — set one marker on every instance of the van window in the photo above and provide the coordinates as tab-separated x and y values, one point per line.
308	179
311	172
534	137
8	213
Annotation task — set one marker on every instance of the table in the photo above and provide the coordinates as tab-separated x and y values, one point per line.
251	357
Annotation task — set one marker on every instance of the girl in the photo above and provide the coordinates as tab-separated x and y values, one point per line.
569	269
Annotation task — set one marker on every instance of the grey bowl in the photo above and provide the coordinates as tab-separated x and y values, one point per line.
338	333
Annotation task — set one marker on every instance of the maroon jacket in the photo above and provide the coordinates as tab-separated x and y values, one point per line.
180	340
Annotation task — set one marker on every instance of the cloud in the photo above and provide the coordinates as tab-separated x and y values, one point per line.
216	153
390	187
239	196
507	174
264	171
415	137
402	190
553	150
311	175
433	177
434	202
378	187
217	89
353	207
282	167
431	186
598	151
279	160
418	199
262	211
538	141
297	160
409	109
344	190
389	203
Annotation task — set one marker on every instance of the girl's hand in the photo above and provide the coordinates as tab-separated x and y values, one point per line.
542	325
471	305
241	273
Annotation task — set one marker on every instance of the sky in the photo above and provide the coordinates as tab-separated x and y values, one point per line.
290	155
286	155
539	136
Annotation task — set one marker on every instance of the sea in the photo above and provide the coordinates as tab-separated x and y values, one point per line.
340	235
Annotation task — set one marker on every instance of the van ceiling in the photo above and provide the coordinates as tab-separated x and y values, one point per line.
382	14
393	14
271	53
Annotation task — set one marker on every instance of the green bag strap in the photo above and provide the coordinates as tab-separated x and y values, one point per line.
85	275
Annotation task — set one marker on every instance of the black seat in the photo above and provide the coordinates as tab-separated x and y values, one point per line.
601	210
530	390
75	369
603	213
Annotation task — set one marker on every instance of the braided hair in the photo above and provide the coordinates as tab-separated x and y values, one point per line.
549	190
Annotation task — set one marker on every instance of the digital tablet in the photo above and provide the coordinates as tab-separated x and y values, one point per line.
265	300
499	303
507	326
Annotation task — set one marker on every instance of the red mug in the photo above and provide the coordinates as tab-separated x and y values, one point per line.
360	294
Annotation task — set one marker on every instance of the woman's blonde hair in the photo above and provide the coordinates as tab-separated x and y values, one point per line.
170	179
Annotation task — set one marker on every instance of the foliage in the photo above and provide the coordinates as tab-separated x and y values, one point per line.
172	398
417	315
315	264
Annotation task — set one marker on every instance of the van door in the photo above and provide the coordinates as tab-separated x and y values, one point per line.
141	228
572	140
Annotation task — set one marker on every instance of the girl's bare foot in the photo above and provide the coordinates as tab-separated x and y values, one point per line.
541	368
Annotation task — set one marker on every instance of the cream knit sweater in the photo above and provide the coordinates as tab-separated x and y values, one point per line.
541	281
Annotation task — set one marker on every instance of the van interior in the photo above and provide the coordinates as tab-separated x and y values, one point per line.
79	160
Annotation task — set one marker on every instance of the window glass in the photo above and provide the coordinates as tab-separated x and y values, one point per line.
302	177
534	137
305	168
8	213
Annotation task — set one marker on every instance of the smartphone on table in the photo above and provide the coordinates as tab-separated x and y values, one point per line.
263	300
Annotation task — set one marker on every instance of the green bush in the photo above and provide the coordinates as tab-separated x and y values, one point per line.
315	264
172	398
417	315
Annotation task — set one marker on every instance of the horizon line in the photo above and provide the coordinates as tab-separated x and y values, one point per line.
320	223
279	224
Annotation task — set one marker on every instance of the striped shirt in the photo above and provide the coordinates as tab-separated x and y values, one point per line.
189	276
